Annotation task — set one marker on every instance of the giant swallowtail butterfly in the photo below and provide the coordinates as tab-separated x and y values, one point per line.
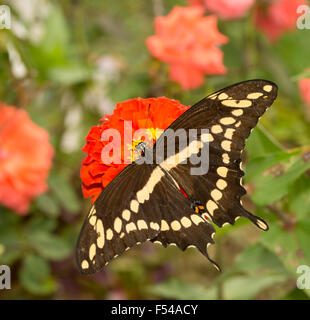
144	201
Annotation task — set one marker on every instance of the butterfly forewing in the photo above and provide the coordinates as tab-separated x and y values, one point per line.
229	114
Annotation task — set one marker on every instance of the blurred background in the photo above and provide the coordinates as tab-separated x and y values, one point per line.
65	64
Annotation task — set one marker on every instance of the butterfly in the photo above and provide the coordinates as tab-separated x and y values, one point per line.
163	201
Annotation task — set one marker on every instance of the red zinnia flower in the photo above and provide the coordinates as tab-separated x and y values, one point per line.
188	42
277	17
25	159
152	114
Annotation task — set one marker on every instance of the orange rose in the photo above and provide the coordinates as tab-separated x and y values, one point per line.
277	17
188	42
304	88
227	9
25	159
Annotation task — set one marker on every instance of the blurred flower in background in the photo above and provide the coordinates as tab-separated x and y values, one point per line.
107	70
153	114
188	42
227	9
304	87
277	17
25	159
304	90
31	13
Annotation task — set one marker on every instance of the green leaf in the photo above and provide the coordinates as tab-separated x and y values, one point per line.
41	224
258	258
271	188
290	44
57	34
234	288
49	245
35	276
296	294
303	236
248	287
285	245
64	192
70	75
54	49
48	205
299	198
10	247
260	143
8	219
176	289
257	166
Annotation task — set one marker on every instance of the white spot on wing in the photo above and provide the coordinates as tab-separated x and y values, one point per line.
175	225
227	120
222	171
85	264
141	224
211	206
267	88
118	225
92	251
134	206
126	215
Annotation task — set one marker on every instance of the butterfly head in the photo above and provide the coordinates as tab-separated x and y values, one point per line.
139	150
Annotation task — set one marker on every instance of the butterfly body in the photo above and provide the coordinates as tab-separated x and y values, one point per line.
164	197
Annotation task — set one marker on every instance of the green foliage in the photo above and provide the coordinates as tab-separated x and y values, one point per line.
66	91
35	276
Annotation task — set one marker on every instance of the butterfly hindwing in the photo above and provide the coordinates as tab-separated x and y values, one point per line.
182	227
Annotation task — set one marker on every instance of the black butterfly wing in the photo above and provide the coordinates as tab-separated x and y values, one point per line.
121	217
144	201
181	226
229	114
136	206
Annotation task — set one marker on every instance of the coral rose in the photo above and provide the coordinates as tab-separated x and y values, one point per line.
304	89
154	114
196	2
277	17
227	9
188	42
25	159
